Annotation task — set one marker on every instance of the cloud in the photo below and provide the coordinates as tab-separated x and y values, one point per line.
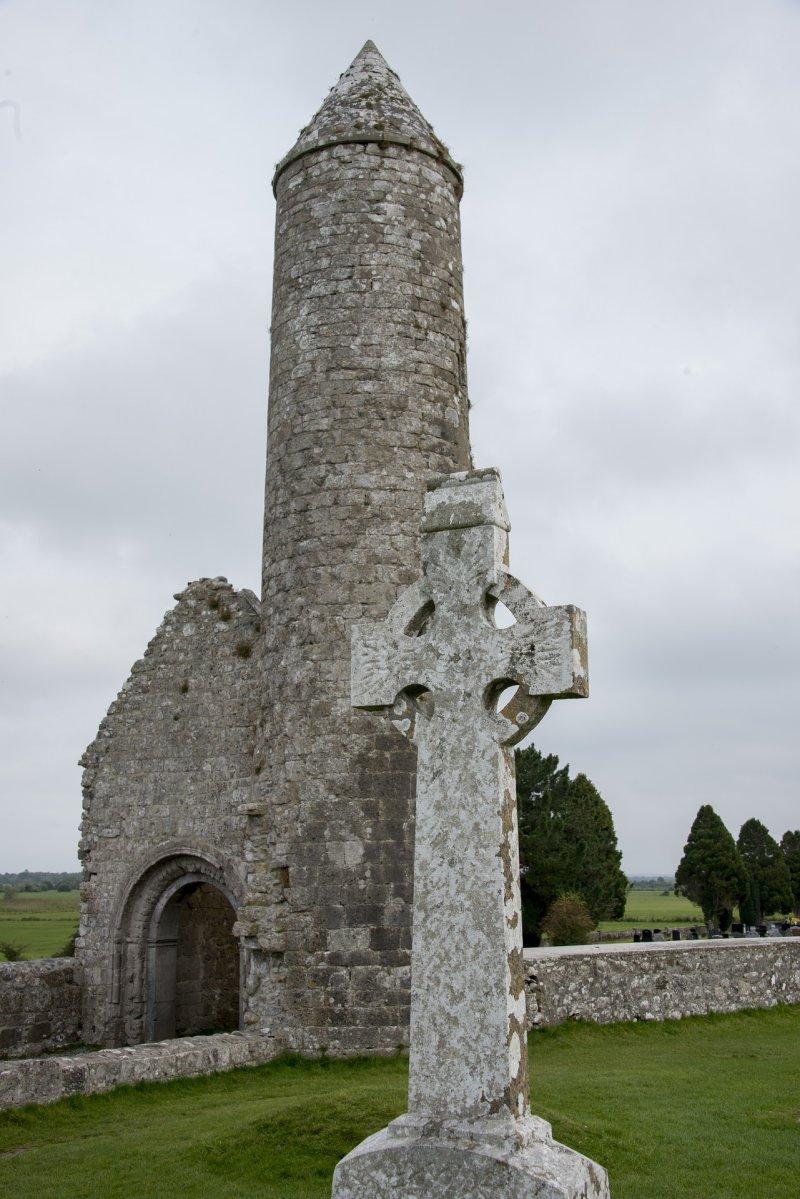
633	291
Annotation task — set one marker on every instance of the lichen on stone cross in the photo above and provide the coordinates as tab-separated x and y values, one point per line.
437	666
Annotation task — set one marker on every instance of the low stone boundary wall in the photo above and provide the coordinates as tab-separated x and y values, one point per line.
610	983
40	1006
47	1079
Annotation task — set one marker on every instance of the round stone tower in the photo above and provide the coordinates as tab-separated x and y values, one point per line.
367	401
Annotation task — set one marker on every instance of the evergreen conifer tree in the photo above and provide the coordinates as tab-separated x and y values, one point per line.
790	845
769	885
711	872
567	843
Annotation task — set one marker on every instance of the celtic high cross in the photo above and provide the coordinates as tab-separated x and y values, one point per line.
437	666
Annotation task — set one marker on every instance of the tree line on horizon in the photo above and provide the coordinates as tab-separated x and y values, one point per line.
755	872
41	880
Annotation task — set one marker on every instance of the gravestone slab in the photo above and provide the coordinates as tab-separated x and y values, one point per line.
438	667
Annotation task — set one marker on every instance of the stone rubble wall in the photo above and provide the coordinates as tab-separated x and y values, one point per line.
48	1079
606	984
603	985
40	1006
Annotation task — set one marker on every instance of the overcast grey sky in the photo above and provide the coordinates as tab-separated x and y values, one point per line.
632	270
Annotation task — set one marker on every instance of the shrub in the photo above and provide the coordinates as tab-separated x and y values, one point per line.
567	921
12	952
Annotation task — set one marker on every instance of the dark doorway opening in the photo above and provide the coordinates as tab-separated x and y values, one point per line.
193	962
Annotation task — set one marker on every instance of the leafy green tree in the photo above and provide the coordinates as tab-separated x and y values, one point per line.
711	872
769	885
790	844
750	910
567	843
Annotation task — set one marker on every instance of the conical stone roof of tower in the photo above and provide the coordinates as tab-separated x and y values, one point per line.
369	104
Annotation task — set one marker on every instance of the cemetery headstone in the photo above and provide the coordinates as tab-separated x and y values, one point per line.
437	666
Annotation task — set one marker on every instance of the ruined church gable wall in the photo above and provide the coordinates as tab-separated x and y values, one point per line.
168	773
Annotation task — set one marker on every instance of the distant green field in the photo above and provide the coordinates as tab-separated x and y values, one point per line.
39	922
704	1107
654	910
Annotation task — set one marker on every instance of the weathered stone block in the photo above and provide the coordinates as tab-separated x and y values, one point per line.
475	1161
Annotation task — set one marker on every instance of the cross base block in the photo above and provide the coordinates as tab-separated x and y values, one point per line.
485	1159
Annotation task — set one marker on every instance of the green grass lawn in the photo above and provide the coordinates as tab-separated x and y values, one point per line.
706	1107
39	922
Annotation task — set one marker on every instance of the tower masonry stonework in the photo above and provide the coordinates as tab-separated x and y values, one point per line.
247	836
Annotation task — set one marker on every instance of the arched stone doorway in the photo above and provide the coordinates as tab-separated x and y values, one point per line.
177	963
192	962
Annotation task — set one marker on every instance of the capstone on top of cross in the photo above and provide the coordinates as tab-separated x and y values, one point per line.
464	500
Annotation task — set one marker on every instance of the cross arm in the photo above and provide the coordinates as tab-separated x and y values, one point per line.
384	660
546	650
550	652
